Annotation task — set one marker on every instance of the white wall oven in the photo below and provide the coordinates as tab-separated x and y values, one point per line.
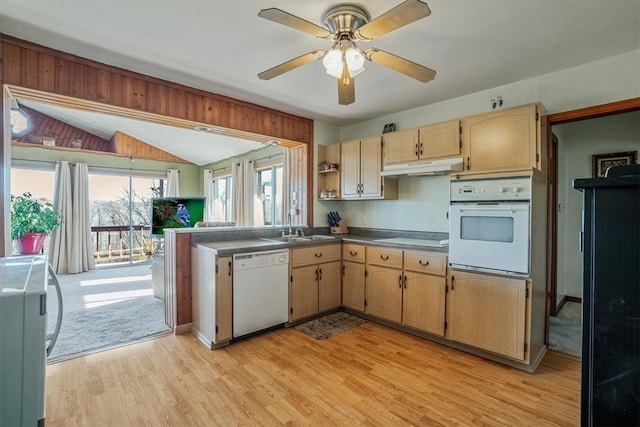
489	225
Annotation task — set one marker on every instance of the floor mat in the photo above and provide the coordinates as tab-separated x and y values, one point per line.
330	325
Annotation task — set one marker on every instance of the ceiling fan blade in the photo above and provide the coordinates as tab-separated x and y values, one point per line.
403	14
292	21
346	88
400	65
292	64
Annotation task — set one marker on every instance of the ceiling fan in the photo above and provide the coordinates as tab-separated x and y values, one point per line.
344	25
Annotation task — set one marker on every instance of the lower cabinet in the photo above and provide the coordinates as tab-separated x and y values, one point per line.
315	284
383	284
423	302
353	276
489	312
384	293
424	291
303	292
212	294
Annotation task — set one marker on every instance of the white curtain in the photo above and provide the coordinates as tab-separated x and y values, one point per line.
242	192
82	257
207	189
286	185
61	237
173	183
296	178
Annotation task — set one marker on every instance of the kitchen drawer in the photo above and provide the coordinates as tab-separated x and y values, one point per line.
387	257
315	255
352	252
425	262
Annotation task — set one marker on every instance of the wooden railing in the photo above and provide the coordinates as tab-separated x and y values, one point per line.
111	242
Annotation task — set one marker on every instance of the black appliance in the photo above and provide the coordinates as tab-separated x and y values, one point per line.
610	392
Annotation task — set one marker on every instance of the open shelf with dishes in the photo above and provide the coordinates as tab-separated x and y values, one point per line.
328	176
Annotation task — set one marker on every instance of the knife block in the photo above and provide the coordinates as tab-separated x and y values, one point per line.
340	229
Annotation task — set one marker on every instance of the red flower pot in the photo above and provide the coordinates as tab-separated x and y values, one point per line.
31	243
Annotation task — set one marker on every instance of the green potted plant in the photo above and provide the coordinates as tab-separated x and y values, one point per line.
31	221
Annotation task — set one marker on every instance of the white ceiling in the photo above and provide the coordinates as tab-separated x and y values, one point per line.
220	46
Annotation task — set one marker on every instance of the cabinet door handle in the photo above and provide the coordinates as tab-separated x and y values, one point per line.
320	277
230	268
416	150
317	275
400	281
384	258
423	263
318	255
405	282
353	253
344	268
421	148
468	163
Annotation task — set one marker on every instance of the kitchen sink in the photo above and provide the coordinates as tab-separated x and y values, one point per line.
293	239
290	239
320	237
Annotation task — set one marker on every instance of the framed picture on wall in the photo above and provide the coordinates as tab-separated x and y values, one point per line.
601	162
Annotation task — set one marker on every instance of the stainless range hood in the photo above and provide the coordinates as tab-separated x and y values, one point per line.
425	167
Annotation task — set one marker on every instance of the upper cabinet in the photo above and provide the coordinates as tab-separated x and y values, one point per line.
440	140
361	163
504	140
401	146
428	142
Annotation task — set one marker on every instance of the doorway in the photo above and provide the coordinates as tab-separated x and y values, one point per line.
559	189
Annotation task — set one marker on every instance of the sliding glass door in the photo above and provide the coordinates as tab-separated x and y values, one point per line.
121	216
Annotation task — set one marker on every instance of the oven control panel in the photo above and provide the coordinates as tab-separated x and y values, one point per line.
491	189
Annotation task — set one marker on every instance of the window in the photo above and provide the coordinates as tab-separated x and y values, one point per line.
268	191
222	199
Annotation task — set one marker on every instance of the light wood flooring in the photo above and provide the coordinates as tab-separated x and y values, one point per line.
370	375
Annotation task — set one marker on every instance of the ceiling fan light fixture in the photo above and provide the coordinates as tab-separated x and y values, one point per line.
347	52
355	60
332	62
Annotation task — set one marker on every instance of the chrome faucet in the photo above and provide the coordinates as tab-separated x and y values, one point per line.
290	231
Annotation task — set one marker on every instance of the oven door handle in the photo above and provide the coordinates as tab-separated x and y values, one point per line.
483	209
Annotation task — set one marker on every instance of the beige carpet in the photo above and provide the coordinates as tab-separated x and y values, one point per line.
565	329
104	308
330	325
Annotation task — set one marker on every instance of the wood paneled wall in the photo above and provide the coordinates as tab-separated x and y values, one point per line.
48	71
47	127
36	67
126	145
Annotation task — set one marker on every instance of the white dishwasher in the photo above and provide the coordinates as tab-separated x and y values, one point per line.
260	290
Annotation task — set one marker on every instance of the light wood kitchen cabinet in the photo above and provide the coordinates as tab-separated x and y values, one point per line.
489	312
384	293
303	292
503	140
315	283
401	146
384	279
440	140
212	297
329	179
361	163
424	291
353	279
428	142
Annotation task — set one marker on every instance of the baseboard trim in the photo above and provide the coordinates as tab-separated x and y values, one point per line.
182	329
565	299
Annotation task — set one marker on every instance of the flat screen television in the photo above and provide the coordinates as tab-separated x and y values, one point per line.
175	212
